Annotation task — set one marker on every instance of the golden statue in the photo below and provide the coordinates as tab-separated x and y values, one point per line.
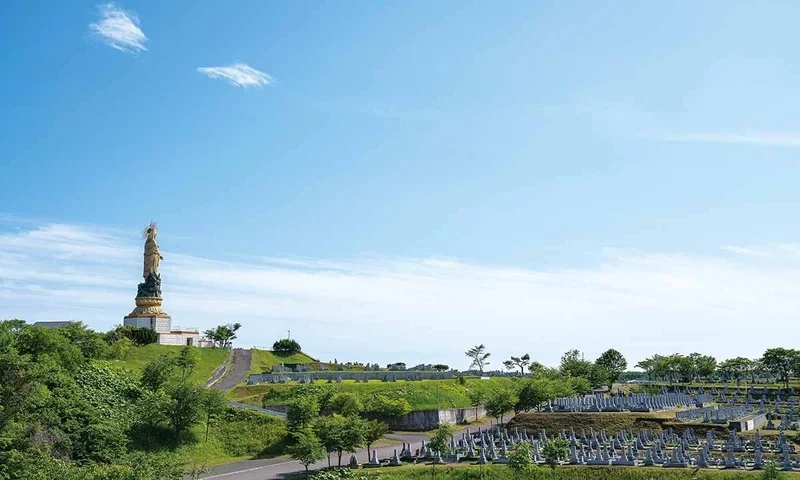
152	256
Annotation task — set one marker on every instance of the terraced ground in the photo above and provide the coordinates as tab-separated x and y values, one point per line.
263	360
421	395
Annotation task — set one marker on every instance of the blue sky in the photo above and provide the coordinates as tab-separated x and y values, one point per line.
559	169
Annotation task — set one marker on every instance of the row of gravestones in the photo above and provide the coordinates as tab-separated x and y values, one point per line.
640	402
720	414
645	448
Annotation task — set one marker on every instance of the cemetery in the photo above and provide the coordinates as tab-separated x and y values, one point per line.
644	448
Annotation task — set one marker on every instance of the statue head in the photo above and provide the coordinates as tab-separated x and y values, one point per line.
150	231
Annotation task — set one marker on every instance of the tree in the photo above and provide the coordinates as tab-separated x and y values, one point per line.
186	361
383	405
476	397
440	367
286	346
532	394
374	430
479	357
772	471
440	441
223	335
500	402
185	407
157	372
306	448
329	431
647	365
704	365
346	404
213	406
573	364
352	436
782	362
519	459
555	450
518	362
613	363
301	412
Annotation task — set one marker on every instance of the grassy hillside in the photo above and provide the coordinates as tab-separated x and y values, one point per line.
208	359
263	360
422	395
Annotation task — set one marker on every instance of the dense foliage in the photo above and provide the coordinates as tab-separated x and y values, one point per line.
67	413
286	346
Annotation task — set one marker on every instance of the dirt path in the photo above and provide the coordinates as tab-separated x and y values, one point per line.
237	371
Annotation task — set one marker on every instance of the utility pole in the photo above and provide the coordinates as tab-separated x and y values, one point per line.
288	335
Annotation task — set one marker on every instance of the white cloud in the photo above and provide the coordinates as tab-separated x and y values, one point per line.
119	29
751	138
380	309
239	75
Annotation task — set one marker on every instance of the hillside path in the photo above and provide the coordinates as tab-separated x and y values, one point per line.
240	365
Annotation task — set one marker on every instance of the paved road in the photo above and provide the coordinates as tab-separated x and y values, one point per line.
240	365
282	466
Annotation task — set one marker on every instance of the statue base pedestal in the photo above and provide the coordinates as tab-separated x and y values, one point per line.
149	314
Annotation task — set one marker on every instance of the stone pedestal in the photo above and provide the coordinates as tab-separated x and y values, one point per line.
148	313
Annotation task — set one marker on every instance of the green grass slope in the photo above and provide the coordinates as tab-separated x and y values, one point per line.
422	395
263	360
208	359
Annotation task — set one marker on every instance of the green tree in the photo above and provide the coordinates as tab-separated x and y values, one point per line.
346	404
186	361
329	431
286	346
157	372
782	362
499	402
301	411
306	448
573	364
479	356
213	406
352	436
555	450
477	396
185	407
518	362
223	335
520	459
613	363
383	405
441	367
440	441
704	365
374	430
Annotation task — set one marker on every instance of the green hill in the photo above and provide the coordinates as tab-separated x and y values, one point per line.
208	359
263	360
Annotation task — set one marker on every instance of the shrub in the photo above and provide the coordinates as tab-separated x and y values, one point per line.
286	346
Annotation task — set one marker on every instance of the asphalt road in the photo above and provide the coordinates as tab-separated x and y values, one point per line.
280	467
240	365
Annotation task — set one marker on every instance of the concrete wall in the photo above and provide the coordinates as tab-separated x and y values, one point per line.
333	376
163	325
178	338
141	322
429	419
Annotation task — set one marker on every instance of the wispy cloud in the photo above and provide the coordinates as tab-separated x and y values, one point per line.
430	309
750	138
119	29
239	75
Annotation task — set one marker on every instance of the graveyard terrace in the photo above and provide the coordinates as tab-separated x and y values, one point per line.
611	421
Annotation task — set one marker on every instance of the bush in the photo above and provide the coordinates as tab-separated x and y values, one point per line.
286	346
138	335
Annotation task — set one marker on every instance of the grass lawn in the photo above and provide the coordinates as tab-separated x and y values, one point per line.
240	435
208	359
422	395
263	360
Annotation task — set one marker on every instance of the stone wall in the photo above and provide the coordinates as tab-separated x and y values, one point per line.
334	376
178	338
422	420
